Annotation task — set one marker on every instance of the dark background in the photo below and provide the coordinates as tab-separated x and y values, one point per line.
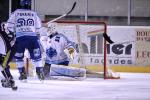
4	8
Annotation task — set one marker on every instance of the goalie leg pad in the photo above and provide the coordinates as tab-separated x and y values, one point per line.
66	71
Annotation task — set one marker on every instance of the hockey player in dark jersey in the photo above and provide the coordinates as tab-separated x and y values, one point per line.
7	52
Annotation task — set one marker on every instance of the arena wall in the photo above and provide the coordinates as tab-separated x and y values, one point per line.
134	54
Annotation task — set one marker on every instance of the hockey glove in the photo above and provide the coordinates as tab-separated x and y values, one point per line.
71	51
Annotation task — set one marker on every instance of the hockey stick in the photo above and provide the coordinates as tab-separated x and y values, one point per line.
7	58
13	87
107	38
4	65
74	4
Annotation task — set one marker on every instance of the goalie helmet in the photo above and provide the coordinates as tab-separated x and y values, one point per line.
25	4
52	28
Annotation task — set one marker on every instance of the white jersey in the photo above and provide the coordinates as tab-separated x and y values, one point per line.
24	22
55	46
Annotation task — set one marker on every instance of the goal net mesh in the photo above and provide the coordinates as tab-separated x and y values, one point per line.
90	47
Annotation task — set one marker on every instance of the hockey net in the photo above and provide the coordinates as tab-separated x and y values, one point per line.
91	47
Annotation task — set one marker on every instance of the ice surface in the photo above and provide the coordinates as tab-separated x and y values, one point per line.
131	86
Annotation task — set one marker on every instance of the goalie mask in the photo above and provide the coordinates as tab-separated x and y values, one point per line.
52	28
25	4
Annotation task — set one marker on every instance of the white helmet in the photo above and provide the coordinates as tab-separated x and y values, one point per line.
52	28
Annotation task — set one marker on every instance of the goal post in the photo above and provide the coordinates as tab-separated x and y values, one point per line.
91	47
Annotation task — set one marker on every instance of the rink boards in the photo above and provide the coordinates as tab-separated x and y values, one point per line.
133	54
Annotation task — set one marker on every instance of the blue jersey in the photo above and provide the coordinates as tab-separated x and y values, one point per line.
24	22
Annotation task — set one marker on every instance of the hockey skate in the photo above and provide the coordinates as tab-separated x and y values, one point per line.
8	83
46	70
23	75
40	73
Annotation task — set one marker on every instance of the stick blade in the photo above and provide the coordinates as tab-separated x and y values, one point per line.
107	38
74	4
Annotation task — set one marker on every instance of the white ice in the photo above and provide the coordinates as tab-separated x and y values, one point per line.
131	86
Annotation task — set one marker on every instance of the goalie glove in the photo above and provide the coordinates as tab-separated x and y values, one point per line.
71	51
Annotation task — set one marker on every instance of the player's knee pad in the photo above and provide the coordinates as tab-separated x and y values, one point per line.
36	54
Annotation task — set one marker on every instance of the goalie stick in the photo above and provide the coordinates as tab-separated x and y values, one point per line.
74	4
